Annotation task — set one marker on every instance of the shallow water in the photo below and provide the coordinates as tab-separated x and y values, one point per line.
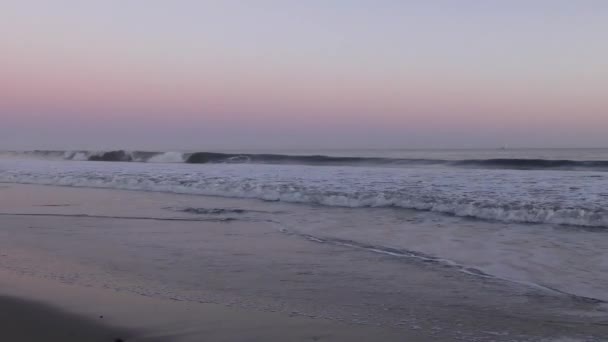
544	228
381	266
554	257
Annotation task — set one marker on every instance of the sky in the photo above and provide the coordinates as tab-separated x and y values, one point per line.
270	74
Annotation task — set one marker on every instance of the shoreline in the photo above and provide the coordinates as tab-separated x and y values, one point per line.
243	280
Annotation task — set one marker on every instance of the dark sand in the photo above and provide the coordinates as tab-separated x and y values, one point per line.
155	320
24	320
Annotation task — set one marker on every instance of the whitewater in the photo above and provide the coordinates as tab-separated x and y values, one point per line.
578	198
542	226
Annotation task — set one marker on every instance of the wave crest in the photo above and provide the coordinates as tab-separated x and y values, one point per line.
283	159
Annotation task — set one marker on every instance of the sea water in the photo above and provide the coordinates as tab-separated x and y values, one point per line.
534	217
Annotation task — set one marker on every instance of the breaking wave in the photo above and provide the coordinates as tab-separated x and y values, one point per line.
245	158
505	196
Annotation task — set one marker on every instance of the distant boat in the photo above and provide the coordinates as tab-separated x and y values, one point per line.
504	147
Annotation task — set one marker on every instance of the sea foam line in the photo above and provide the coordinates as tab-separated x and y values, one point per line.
402	253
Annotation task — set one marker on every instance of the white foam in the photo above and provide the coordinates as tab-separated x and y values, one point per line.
558	197
167	157
569	260
78	156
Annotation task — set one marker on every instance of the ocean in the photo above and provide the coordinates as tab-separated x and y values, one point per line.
558	187
532	218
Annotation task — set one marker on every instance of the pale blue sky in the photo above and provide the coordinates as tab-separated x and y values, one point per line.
304	73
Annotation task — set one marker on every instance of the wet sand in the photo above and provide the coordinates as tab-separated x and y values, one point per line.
66	313
24	320
174	277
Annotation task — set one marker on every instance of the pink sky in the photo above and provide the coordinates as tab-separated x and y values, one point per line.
314	75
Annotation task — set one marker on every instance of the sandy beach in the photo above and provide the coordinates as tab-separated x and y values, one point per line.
59	312
24	320
71	255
